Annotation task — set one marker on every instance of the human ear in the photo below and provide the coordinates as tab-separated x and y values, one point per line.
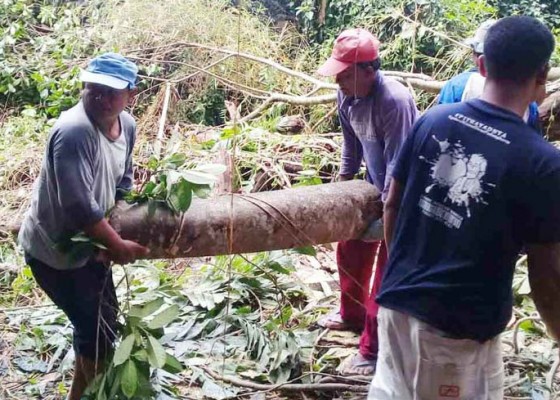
481	65
543	74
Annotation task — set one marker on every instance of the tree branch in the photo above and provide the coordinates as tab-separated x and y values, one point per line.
287	387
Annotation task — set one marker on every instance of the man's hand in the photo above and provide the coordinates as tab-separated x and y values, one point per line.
374	231
544	278
120	251
343	178
127	251
391	210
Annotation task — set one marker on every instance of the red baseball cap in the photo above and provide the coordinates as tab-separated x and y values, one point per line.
350	47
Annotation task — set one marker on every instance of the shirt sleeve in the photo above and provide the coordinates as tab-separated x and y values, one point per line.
452	91
126	183
534	120
397	124
446	95
542	211
73	157
405	157
352	151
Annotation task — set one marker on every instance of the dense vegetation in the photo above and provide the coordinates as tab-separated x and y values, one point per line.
247	317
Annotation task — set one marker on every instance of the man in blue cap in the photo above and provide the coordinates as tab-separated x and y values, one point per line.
87	166
470	84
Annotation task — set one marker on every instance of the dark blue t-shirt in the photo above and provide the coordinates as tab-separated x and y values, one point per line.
452	92
478	185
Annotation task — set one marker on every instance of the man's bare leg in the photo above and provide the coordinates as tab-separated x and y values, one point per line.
84	373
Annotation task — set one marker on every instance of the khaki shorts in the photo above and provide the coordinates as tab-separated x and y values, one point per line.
416	362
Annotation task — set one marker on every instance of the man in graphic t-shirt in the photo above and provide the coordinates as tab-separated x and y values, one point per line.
473	185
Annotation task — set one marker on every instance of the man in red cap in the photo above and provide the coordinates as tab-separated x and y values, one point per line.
376	113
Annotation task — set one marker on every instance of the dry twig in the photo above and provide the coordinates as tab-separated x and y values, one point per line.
288	387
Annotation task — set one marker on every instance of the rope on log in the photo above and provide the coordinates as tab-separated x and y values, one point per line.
264	221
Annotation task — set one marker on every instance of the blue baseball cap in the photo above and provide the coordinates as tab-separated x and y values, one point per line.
111	69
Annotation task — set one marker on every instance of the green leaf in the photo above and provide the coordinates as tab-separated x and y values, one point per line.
212	169
527	326
82	238
146	309
160	188
152	206
208	144
149	188
176	159
212	390
101	395
129	379
173	177
153	163
172	365
245	310
308	172
145	389
306	250
164	317
278	268
156	353
180	195
29	112
230	131
141	355
123	351
114	387
202	191
200	178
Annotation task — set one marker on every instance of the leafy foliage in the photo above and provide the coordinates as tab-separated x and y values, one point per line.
231	296
128	374
415	34
174	185
546	10
245	315
39	46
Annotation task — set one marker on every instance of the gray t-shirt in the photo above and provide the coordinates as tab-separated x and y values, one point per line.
81	176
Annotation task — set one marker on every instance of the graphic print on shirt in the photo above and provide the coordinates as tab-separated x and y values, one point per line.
462	174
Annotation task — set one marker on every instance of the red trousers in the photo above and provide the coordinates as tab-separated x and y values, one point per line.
355	261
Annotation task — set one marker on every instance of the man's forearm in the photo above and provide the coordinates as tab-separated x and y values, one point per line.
391	211
544	277
389	219
103	232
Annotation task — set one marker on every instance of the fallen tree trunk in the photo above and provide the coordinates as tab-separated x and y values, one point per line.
233	224
549	114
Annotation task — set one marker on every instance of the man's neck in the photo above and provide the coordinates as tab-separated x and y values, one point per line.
105	125
513	98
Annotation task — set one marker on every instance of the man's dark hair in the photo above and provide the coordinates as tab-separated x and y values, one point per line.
375	64
517	48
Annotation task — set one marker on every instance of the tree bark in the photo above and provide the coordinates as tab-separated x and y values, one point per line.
233	224
549	112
